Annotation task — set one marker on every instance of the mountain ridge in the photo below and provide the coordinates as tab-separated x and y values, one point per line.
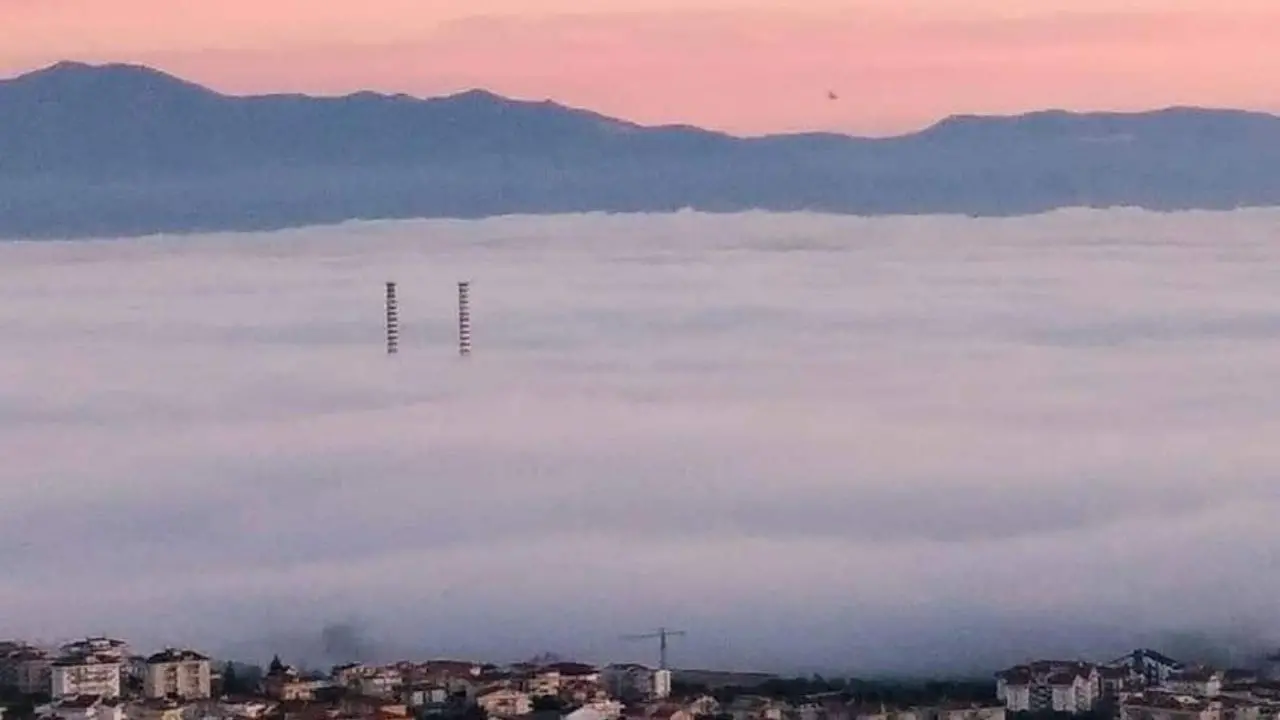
127	149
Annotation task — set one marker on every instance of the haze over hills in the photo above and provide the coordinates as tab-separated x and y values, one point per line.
122	150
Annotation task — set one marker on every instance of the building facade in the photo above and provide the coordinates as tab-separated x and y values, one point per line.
634	681
174	673
1148	668
1200	682
102	647
28	671
85	675
1066	687
505	702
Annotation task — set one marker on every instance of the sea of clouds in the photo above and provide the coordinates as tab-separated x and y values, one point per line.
814	442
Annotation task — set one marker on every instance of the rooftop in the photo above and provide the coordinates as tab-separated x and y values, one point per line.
170	655
77	659
572	668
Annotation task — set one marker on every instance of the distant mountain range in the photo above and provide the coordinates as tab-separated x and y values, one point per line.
122	150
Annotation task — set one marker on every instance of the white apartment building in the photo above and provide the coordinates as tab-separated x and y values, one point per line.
1200	682
380	682
505	701
629	680
103	647
1066	687
174	673
85	675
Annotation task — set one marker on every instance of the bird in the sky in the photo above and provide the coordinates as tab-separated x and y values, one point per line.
831	95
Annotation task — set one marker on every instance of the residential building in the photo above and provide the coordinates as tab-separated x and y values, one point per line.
543	682
996	712
703	705
348	675
11	651
591	712
84	707
1115	681
426	695
756	707
916	713
603	709
380	682
1197	681
103	647
808	709
459	676
504	702
669	712
246	709
1167	706
166	709
1148	667
582	693
435	669
660	685
85	675
30	670
1060	686
366	706
283	683
629	681
174	673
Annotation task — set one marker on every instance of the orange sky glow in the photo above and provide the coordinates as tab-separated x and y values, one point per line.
742	66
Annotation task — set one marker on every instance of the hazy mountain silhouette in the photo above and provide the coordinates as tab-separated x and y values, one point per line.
98	150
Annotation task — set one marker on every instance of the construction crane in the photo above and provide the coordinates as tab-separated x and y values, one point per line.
661	636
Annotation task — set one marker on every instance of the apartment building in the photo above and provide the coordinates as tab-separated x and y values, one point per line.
24	668
86	707
103	647
504	702
1198	681
85	675
543	682
380	682
630	680
1148	667
1060	686
167	709
34	673
174	673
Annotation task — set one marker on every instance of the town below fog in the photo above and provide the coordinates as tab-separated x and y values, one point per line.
102	678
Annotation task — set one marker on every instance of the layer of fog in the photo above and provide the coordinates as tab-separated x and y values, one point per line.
812	442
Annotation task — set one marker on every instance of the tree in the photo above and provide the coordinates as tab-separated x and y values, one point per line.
240	679
547	703
230	680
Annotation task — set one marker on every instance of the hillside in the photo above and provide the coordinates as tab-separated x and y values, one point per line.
105	150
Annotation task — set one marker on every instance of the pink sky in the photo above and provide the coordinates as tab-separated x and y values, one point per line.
747	67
